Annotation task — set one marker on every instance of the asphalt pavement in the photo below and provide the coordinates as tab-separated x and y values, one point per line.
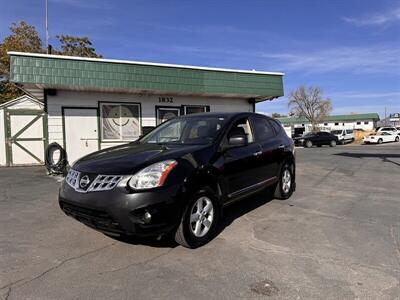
337	237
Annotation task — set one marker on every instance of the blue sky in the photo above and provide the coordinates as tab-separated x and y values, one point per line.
350	48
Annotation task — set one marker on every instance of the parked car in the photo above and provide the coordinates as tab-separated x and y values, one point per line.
177	178
344	135
381	137
316	138
388	129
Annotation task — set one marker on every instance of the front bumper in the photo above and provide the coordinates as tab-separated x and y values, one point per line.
121	211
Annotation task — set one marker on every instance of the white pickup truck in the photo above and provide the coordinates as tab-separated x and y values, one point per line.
344	135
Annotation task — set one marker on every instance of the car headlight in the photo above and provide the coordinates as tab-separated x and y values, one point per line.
152	176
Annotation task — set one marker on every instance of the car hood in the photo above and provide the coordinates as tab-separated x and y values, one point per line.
128	159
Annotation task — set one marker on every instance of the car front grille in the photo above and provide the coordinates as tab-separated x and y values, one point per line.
92	182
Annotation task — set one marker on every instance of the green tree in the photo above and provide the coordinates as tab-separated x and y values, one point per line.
277	115
76	46
23	38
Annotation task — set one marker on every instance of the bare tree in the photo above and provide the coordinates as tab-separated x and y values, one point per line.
308	102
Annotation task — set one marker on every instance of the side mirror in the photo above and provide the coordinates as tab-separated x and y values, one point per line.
238	140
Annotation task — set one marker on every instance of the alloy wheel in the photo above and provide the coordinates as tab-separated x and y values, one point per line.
286	181
201	216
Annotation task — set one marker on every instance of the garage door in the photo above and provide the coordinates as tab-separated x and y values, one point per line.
26	137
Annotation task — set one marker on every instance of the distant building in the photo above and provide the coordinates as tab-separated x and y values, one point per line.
297	126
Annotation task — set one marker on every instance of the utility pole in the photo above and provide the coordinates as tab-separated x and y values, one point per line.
385	117
47	27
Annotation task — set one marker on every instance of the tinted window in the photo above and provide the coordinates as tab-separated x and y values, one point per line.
276	125
262	129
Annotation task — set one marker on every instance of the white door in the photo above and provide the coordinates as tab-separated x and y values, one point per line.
81	136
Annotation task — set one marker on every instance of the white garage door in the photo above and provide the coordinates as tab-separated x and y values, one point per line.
81	132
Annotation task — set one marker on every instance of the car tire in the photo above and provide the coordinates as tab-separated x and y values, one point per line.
343	142
193	233
332	144
308	144
282	190
397	139
380	141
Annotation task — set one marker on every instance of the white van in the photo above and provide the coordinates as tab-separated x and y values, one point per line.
344	135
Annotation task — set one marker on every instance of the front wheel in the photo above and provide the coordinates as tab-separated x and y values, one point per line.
333	144
397	139
380	141
308	144
200	220
285	187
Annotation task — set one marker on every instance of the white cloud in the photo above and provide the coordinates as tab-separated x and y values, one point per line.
378	19
371	59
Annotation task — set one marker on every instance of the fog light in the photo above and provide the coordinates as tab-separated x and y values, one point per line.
147	217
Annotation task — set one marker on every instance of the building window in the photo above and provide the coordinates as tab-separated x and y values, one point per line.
194	109
336	124
366	123
164	113
358	123
325	124
119	121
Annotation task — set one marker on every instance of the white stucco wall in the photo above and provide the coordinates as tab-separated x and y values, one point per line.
148	103
2	140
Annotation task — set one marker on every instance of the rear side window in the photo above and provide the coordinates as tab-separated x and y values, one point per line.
276	125
262	128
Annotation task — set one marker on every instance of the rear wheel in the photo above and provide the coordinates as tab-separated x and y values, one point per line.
200	220
285	187
343	142
308	144
333	144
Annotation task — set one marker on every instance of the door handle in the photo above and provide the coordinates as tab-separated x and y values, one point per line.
281	146
257	153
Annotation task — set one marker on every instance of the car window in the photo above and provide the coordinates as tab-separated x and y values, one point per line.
242	126
262	128
182	130
276	126
336	132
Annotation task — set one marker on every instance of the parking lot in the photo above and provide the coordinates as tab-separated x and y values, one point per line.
338	237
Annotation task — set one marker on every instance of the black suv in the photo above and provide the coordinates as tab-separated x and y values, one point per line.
316	138
177	178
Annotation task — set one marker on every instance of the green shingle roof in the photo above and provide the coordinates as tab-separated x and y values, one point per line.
334	118
52	71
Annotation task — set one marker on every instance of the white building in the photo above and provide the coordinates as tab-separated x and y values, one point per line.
91	104
297	126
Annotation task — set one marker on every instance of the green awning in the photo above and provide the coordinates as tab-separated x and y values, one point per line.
53	71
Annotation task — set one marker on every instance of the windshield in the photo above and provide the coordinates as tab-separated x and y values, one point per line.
190	130
336	131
